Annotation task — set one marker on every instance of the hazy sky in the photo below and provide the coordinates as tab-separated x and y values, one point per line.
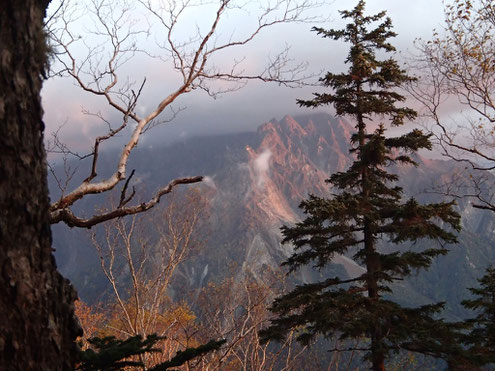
244	109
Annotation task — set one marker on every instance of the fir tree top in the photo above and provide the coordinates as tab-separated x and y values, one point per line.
350	96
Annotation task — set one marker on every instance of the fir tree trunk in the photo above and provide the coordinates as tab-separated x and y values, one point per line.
36	303
372	261
372	266
377	360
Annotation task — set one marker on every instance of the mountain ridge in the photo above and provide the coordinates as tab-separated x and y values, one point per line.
256	180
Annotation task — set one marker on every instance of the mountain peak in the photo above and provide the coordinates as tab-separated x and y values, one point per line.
288	127
291	127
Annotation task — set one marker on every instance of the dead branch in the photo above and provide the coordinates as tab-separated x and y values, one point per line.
68	217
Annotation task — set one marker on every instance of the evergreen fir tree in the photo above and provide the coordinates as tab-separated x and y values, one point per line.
481	338
366	208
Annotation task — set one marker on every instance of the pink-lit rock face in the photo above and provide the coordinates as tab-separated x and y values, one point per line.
304	153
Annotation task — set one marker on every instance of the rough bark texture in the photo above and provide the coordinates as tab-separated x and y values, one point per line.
36	303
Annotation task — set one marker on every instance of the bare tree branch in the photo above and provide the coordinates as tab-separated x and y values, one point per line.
119	32
67	216
457	66
128	254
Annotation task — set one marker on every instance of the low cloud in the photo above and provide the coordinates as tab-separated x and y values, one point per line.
208	180
261	166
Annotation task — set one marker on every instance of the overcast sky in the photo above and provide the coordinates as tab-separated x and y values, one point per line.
255	103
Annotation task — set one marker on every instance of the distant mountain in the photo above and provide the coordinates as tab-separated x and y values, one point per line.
256	181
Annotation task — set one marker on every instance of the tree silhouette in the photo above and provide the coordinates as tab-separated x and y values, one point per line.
481	338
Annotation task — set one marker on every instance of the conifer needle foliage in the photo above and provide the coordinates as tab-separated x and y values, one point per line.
366	210
112	354
481	338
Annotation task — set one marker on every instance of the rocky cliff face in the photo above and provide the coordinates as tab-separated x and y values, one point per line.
255	183
304	152
287	160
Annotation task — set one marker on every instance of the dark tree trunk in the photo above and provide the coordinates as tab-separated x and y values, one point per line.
38	327
372	260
